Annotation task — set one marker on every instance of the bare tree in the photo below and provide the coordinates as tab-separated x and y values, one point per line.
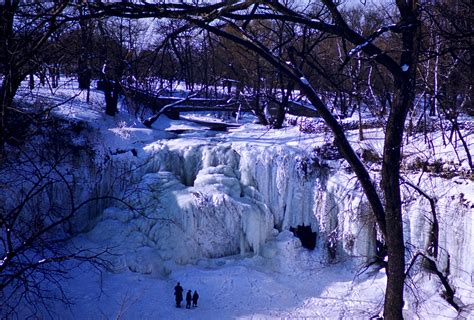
446	55
25	28
42	208
33	228
397	66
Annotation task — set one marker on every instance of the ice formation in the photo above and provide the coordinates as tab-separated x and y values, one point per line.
201	199
198	198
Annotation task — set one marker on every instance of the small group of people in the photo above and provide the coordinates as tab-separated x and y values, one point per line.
190	297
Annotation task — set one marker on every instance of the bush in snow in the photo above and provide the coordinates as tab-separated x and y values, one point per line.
328	151
308	126
370	155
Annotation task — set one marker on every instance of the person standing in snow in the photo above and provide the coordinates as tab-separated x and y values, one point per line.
178	293
188	300
195	298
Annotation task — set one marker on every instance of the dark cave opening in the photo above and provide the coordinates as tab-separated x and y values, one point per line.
306	235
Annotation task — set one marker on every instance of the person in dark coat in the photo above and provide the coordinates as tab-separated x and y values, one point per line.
188	299
195	298
178	293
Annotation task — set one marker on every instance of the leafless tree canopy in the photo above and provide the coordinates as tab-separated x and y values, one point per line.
404	61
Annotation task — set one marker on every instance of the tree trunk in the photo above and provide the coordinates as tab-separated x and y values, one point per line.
394	237
283	106
8	89
405	85
84	75
388	216
31	83
404	97
258	110
111	97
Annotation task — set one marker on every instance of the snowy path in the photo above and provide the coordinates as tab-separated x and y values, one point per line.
228	292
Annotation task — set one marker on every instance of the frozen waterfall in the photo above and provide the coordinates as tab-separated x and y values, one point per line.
201	199
204	198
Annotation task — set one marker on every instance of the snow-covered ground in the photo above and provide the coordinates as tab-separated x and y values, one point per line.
214	210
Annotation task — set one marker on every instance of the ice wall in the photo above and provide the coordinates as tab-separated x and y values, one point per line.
49	180
202	199
454	211
301	189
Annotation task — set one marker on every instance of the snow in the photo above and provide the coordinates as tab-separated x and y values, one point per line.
235	290
358	48
304	81
214	213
